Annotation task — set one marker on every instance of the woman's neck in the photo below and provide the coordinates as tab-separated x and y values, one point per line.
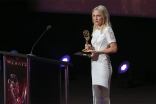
99	27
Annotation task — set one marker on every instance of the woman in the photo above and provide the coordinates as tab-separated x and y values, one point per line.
104	42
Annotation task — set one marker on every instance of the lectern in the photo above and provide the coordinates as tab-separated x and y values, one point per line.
28	79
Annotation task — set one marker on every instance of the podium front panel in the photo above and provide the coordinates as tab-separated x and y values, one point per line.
15	80
29	80
44	82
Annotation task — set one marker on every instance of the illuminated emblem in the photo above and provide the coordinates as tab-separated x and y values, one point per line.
13	90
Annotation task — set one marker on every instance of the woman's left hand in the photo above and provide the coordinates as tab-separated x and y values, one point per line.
94	53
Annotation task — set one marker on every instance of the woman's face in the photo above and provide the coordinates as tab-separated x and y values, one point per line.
97	18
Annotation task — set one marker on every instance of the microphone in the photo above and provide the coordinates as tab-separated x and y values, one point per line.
47	29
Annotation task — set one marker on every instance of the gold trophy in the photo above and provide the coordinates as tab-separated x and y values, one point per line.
87	37
85	52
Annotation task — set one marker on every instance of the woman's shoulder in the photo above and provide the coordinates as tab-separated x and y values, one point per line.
108	28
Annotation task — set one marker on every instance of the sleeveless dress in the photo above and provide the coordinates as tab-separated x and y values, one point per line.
100	65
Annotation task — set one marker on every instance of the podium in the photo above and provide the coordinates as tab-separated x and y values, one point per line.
28	79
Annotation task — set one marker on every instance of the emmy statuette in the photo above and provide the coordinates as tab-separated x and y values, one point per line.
85	52
87	37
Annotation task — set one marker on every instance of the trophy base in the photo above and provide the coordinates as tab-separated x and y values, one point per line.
86	51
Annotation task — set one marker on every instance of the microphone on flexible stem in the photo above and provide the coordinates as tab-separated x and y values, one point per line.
47	29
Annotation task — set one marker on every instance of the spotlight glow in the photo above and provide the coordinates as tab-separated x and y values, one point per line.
14	51
123	67
65	58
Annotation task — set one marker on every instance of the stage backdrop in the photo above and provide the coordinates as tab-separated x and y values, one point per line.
145	8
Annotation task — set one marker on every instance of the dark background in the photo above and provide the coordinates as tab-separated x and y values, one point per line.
20	28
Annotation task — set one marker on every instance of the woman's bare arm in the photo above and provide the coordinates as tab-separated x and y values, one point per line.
113	49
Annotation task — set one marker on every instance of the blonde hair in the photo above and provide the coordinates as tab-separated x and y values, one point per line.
105	16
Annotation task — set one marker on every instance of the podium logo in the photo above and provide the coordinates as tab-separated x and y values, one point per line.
18	63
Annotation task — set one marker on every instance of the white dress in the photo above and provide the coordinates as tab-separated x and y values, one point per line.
101	66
